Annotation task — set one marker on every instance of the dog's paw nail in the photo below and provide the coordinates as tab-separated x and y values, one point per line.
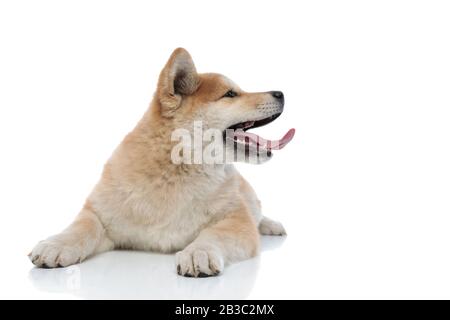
202	275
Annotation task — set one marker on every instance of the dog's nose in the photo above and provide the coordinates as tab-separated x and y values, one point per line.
278	95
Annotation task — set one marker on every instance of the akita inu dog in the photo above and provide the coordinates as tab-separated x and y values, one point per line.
207	213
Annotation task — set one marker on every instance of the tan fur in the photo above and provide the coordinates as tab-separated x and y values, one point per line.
143	201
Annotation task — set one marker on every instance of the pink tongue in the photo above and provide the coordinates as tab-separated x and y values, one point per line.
266	144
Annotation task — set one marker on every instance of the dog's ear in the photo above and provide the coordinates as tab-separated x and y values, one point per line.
178	78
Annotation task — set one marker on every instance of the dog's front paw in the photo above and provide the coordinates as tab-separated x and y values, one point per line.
199	262
53	253
270	227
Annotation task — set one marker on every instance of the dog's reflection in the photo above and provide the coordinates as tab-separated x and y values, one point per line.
140	275
143	275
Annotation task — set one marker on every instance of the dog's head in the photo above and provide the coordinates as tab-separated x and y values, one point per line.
217	103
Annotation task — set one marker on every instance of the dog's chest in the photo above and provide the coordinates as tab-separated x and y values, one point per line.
164	219
169	229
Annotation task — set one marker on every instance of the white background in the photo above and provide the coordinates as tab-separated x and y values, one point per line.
363	189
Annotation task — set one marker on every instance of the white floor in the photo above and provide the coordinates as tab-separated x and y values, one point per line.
141	275
285	269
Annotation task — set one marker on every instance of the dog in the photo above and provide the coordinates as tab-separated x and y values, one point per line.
206	213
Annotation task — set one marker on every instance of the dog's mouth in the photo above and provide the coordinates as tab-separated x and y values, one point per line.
238	132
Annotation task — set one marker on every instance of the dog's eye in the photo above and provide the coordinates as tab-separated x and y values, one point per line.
230	94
